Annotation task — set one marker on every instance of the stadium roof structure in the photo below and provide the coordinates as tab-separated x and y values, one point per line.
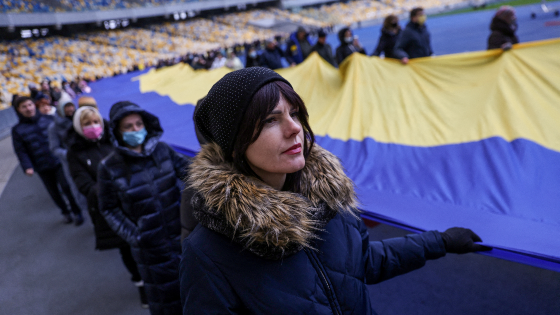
13	20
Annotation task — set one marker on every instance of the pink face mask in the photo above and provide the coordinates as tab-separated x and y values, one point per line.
93	132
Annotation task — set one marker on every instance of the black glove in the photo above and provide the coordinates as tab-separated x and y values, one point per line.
460	241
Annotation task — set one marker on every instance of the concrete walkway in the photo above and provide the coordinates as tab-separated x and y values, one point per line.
8	162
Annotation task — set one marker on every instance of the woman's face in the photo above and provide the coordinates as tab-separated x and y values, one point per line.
279	148
132	122
91	120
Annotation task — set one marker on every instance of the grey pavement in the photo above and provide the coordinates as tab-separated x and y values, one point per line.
8	161
47	267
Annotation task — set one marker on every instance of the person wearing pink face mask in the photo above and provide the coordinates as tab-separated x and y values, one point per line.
89	143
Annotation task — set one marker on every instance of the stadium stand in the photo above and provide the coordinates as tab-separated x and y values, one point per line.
209	31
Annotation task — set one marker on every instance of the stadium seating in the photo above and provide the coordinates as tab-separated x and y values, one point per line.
208	31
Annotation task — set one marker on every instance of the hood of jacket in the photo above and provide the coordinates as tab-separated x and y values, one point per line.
64	99
503	27
341	35
270	223
151	123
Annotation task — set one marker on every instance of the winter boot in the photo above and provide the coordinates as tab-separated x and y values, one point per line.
79	219
143	296
67	218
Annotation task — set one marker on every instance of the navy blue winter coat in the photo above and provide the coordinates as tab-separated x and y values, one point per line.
295	50
414	42
139	196
31	143
272	59
386	43
261	251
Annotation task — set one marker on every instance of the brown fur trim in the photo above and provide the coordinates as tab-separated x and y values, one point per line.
261	214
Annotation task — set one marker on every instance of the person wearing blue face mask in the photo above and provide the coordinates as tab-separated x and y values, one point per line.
139	195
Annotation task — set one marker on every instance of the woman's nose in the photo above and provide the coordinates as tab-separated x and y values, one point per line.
292	127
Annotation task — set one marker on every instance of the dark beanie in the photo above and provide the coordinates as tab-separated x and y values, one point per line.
219	114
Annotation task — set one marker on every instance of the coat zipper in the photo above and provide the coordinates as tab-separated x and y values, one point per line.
325	281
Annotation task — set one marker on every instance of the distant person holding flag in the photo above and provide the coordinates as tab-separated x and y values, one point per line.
414	41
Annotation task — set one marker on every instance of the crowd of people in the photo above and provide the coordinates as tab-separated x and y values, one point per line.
264	200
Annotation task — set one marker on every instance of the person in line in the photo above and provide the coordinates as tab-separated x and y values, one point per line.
503	27
349	44
31	145
278	218
89	142
218	62
139	190
324	49
272	56
232	61
299	46
389	34
252	58
414	41
58	131
43	104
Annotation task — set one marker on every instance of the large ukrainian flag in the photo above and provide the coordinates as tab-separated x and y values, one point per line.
468	140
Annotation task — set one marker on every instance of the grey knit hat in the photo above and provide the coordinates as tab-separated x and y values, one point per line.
218	116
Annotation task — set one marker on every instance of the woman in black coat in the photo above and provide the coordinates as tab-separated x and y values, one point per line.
140	187
279	231
389	34
89	143
503	27
348	45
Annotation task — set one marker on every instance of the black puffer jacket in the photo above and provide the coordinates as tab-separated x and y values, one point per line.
139	195
31	143
502	32
84	157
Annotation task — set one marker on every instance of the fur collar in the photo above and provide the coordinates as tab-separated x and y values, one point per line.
270	223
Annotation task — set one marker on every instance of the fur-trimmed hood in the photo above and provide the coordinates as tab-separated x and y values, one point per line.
270	223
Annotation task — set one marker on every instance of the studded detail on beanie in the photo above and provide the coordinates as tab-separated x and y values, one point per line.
218	116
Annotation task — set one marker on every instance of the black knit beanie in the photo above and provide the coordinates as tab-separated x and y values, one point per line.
218	116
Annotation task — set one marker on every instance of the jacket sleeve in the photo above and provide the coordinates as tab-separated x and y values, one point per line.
286	55
401	44
21	151
54	143
204	289
339	55
180	163
81	177
110	207
392	257
381	45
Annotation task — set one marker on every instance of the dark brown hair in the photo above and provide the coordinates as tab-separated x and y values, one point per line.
262	104
387	23
20	100
415	12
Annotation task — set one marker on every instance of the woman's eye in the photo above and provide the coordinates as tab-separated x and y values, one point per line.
270	120
295	115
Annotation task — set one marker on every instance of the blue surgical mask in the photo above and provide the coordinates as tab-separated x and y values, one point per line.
135	138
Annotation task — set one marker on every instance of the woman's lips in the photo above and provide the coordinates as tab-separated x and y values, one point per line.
295	149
